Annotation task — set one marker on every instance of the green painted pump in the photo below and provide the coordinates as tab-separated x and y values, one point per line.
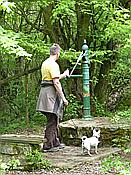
86	79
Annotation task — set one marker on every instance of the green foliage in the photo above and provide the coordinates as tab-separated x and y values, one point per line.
120	75
3	167
10	45
16	125
10	165
13	164
99	56
121	116
5	5
127	150
71	55
73	109
99	108
12	124
64	9
38	121
35	160
14	95
121	142
35	45
116	165
29	30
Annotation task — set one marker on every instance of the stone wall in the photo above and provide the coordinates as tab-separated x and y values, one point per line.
16	146
111	134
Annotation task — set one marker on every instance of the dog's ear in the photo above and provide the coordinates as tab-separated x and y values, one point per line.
97	129
94	131
93	128
84	138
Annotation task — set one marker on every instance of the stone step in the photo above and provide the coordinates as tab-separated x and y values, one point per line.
71	156
72	131
14	138
13	144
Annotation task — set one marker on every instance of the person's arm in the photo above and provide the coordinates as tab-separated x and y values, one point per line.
58	87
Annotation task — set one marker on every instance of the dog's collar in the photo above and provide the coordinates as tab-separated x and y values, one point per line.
96	137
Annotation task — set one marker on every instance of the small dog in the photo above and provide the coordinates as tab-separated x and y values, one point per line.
92	141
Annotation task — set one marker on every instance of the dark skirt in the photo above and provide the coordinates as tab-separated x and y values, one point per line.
50	101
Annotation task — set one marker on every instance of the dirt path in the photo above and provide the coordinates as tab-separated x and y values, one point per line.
93	168
70	161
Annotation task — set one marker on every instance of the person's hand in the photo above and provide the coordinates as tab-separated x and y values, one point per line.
66	73
66	102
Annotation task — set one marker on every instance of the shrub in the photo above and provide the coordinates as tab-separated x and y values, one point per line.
35	160
73	109
116	165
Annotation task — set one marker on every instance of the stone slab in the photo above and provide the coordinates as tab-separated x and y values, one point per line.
71	156
95	122
13	144
16	138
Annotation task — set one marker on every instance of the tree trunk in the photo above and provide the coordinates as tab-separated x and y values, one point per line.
82	27
102	87
26	99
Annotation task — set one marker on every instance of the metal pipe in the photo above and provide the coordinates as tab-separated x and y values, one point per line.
75	76
79	58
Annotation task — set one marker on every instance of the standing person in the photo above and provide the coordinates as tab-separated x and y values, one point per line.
51	99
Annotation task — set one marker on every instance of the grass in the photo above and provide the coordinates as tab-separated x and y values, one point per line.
121	116
16	125
118	164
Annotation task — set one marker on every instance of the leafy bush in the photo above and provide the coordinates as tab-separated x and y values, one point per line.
99	108
121	142
73	109
35	160
116	165
3	167
10	165
13	164
121	116
37	122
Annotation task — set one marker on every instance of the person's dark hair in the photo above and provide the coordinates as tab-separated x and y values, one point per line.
54	49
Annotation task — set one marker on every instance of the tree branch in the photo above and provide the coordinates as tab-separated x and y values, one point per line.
7	80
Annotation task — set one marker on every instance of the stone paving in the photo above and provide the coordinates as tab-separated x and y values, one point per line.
71	156
71	132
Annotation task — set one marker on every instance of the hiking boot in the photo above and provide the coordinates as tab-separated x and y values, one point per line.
60	146
54	149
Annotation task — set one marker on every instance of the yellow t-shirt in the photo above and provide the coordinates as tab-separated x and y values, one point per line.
50	69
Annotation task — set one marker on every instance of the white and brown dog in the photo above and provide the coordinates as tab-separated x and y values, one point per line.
87	143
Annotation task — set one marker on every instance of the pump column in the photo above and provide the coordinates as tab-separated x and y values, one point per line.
86	88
